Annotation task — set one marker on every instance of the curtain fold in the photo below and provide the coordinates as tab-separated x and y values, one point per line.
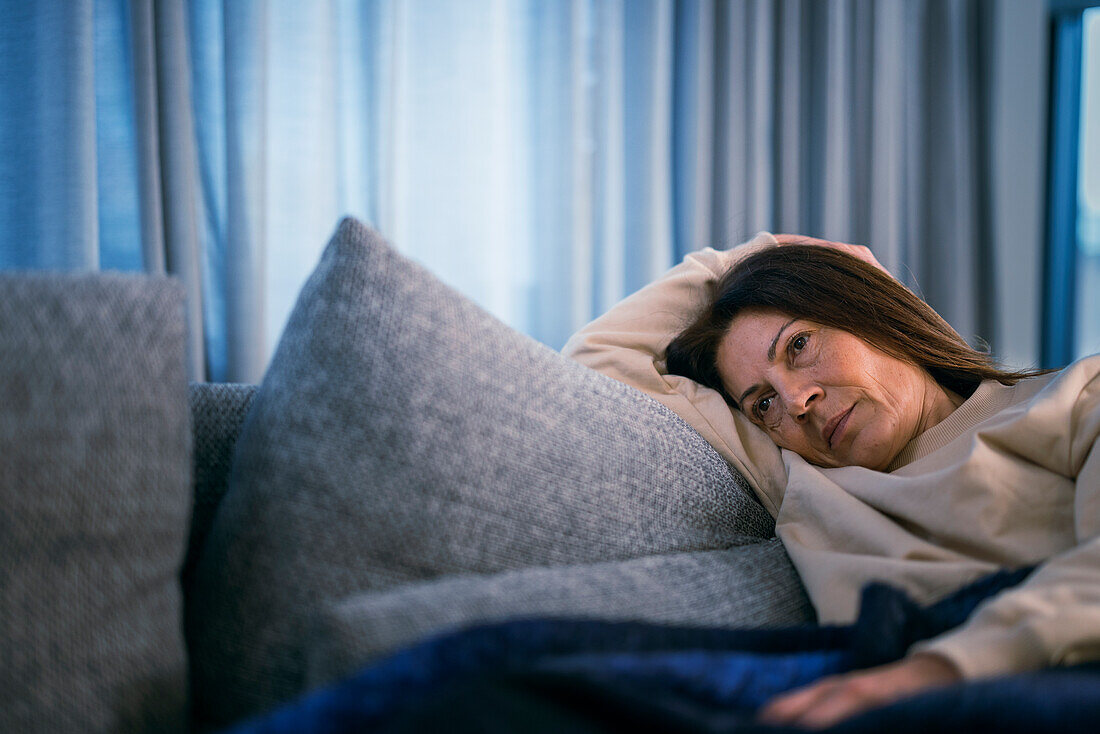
693	119
546	157
246	57
166	159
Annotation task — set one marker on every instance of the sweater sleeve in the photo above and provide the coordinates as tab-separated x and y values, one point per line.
1053	618
628	344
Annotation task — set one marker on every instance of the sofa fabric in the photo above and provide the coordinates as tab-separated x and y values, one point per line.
95	488
401	434
745	586
217	413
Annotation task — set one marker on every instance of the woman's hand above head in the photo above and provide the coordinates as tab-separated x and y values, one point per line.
838	697
859	251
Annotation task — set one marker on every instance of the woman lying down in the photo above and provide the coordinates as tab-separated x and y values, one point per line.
888	451
909	458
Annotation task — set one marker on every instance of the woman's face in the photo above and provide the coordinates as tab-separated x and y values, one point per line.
823	393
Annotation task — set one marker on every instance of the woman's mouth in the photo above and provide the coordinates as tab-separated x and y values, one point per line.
834	429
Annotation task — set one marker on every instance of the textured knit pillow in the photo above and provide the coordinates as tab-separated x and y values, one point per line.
95	490
401	433
217	412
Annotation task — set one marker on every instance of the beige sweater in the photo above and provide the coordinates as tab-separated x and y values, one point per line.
1008	479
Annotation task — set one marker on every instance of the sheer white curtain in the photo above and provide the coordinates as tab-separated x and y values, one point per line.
520	149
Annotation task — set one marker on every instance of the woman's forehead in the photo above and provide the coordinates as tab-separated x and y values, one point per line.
750	345
753	325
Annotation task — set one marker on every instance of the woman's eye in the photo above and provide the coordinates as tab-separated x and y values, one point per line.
763	405
799	342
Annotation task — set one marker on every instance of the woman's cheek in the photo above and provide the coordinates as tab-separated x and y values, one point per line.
872	452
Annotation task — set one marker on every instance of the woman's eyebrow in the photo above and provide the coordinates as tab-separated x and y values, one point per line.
741	400
771	358
771	349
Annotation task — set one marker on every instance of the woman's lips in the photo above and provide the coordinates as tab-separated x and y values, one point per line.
834	431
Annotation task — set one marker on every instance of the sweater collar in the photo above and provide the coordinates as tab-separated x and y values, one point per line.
987	400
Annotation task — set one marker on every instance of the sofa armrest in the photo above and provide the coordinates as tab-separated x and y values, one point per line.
752	585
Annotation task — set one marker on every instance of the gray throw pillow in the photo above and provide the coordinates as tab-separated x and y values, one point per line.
400	434
217	413
96	496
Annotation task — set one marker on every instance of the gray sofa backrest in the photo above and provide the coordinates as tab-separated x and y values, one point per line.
95	490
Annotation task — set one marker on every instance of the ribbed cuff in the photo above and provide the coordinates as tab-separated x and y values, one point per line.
988	651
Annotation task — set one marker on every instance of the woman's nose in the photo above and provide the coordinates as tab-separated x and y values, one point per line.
801	397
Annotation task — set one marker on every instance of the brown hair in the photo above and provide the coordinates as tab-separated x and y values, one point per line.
835	289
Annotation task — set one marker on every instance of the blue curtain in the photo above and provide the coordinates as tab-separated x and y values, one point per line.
546	157
48	162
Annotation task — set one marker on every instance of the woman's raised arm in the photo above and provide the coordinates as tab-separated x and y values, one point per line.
628	344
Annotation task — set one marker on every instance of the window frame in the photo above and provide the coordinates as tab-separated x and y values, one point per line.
1059	321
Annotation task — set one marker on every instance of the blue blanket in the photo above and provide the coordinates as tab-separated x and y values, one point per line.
585	676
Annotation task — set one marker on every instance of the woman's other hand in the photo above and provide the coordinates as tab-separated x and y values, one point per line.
837	697
860	251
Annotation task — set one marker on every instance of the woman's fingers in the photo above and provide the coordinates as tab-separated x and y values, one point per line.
860	251
793	706
849	697
825	703
836	698
801	239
